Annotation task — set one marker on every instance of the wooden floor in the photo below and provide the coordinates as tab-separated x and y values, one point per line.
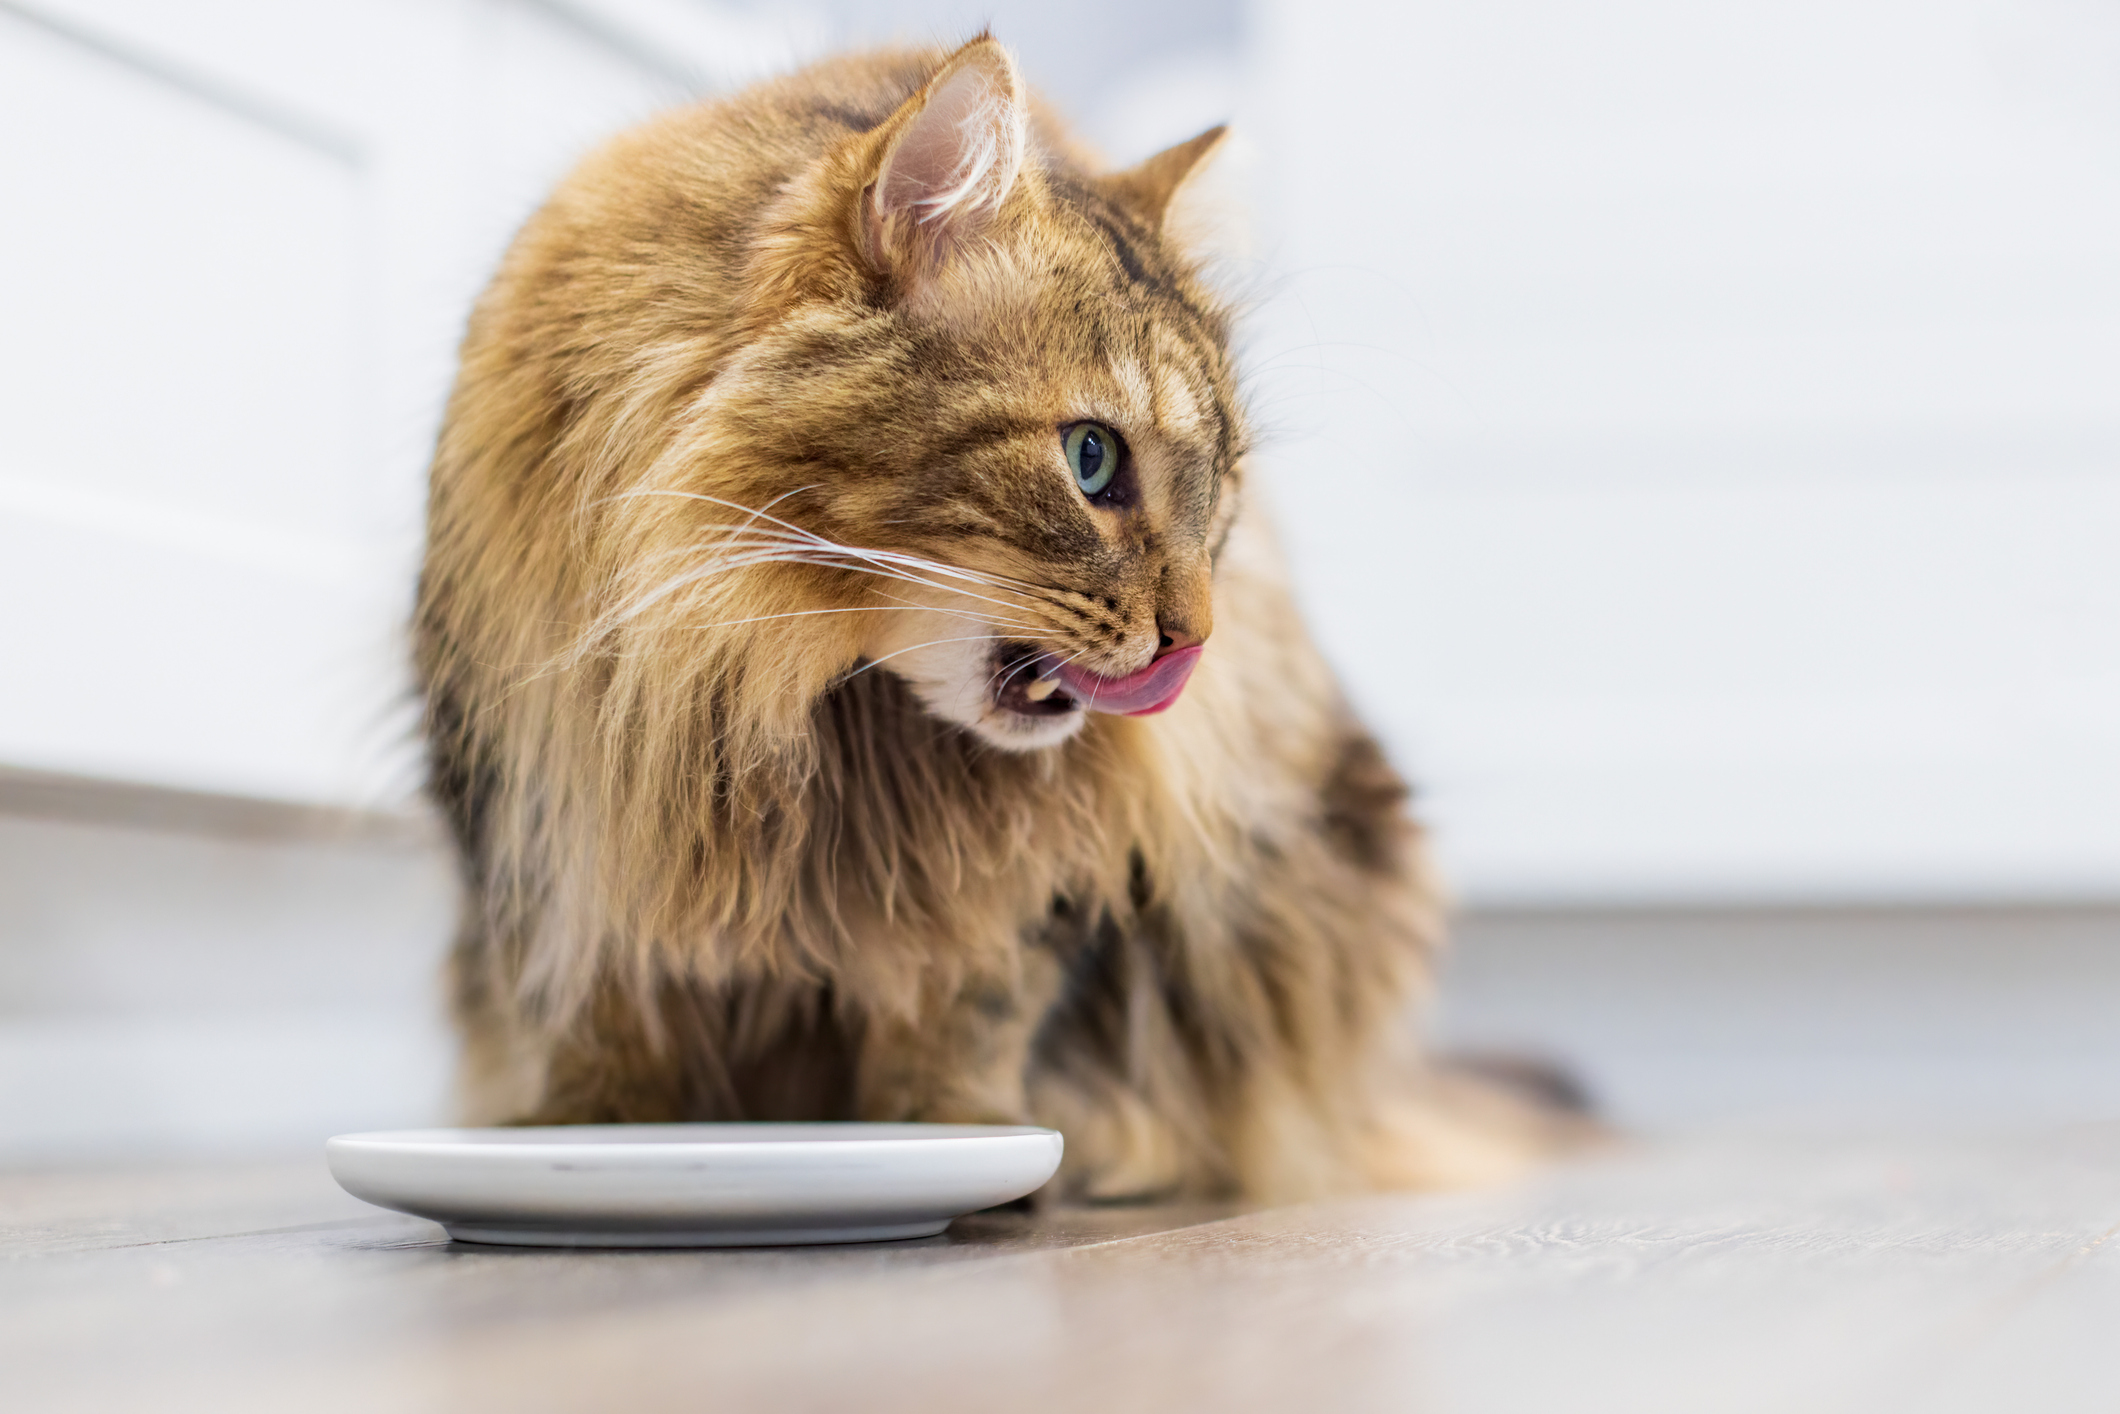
1733	1273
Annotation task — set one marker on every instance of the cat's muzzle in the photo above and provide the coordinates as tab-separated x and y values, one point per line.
1036	683
1027	681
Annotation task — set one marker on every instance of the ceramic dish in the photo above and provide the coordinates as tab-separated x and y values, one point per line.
694	1185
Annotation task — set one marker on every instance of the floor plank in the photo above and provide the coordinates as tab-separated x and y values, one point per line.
1732	1272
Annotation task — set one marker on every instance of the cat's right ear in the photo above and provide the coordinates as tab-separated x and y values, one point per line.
950	156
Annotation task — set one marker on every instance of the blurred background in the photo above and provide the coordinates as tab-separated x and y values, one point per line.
1697	430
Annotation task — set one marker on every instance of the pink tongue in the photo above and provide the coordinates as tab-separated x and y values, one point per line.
1140	694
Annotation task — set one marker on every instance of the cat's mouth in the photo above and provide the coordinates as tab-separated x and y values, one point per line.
1034	683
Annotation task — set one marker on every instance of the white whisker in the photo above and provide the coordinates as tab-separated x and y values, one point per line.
763	538
830	559
1011	672
848	609
897	556
931	643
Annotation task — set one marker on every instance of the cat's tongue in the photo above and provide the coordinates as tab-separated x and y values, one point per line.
1141	694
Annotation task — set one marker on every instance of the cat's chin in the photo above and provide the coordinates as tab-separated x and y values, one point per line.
996	694
1012	731
994	720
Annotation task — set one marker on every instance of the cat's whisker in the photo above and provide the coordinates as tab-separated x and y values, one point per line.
720	564
837	558
793	544
826	554
1026	663
960	613
884	571
931	643
845	609
757	513
1004	674
754	513
610	622
894	559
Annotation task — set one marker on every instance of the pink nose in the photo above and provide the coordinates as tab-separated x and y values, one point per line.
1177	637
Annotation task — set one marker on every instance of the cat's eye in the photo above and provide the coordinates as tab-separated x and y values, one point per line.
1093	455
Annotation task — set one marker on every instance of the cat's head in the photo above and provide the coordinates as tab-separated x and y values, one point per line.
986	413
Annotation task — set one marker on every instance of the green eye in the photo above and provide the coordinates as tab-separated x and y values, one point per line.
1093	455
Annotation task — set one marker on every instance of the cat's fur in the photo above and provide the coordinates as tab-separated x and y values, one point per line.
752	468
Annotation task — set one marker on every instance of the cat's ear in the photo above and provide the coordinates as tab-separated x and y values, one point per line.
954	152
1147	189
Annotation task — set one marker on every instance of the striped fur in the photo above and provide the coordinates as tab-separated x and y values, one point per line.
751	472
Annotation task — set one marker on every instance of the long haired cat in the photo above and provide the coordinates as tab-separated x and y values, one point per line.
858	690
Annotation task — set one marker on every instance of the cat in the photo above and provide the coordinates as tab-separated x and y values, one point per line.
857	690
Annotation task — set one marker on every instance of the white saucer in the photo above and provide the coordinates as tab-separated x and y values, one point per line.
694	1185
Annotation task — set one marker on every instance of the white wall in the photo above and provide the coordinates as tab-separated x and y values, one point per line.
1699	431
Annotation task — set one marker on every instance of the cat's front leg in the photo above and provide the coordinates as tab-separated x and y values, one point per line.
961	1055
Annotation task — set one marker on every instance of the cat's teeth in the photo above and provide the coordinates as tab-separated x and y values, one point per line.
1042	688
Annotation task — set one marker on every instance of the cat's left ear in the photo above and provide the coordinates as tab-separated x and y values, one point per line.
953	153
1147	189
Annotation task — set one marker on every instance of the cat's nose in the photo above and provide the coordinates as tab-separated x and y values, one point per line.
1177	634
1185	608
